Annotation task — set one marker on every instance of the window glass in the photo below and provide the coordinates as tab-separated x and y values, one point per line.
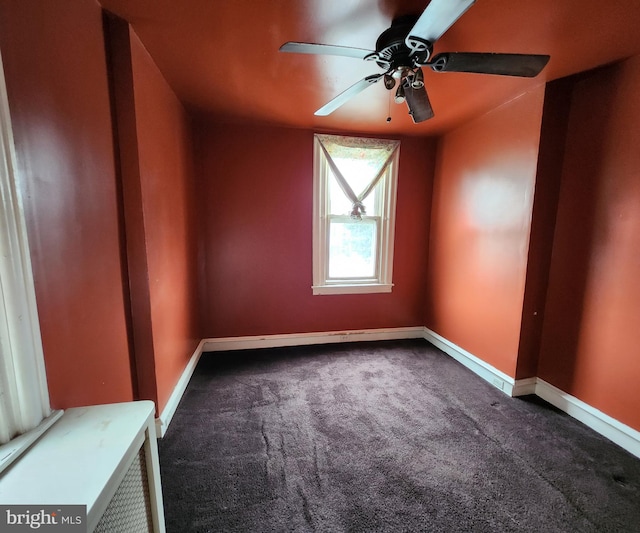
339	204
352	249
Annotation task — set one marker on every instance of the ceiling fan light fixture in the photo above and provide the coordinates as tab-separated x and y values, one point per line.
418	79
399	97
389	82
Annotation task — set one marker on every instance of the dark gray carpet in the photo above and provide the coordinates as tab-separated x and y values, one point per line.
390	436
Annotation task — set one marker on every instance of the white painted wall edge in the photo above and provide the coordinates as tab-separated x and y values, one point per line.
489	373
163	421
272	341
619	433
303	339
614	430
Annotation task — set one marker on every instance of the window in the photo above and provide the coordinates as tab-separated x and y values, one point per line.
354	214
24	400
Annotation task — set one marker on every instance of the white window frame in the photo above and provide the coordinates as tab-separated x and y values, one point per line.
20	341
382	281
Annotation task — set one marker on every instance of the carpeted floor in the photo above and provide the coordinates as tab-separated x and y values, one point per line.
391	436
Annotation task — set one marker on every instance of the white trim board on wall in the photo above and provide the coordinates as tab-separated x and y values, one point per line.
163	421
305	339
624	436
272	341
614	430
489	373
619	433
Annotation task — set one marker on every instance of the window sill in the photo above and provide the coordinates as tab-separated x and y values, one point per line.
10	451
359	288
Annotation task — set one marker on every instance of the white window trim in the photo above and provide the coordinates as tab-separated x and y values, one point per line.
20	325
321	283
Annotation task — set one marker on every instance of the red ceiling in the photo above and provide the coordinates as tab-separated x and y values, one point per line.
221	56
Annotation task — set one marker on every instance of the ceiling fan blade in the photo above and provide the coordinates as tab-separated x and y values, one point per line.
418	103
436	19
344	96
324	49
522	65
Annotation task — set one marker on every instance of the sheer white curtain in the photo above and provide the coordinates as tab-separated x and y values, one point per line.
378	153
24	399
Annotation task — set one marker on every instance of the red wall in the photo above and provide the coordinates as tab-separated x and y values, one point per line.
483	197
256	188
61	114
591	334
255	194
553	132
167	184
58	95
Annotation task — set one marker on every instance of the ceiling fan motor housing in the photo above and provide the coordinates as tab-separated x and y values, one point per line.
392	53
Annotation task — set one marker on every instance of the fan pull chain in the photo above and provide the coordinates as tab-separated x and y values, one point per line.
389	103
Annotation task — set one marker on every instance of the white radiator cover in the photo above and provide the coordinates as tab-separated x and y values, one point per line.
129	510
104	457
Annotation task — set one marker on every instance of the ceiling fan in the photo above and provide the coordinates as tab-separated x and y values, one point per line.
404	48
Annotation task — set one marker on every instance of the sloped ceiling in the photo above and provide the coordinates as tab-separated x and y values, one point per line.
221	56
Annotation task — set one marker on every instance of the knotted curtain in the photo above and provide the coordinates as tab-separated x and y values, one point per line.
377	153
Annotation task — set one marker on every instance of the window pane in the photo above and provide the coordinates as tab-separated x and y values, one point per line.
339	204
358	175
352	249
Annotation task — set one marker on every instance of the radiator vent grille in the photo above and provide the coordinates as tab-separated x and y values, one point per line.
129	511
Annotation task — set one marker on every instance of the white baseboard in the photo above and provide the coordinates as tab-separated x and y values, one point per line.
272	341
523	387
623	435
303	339
163	421
489	373
614	430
